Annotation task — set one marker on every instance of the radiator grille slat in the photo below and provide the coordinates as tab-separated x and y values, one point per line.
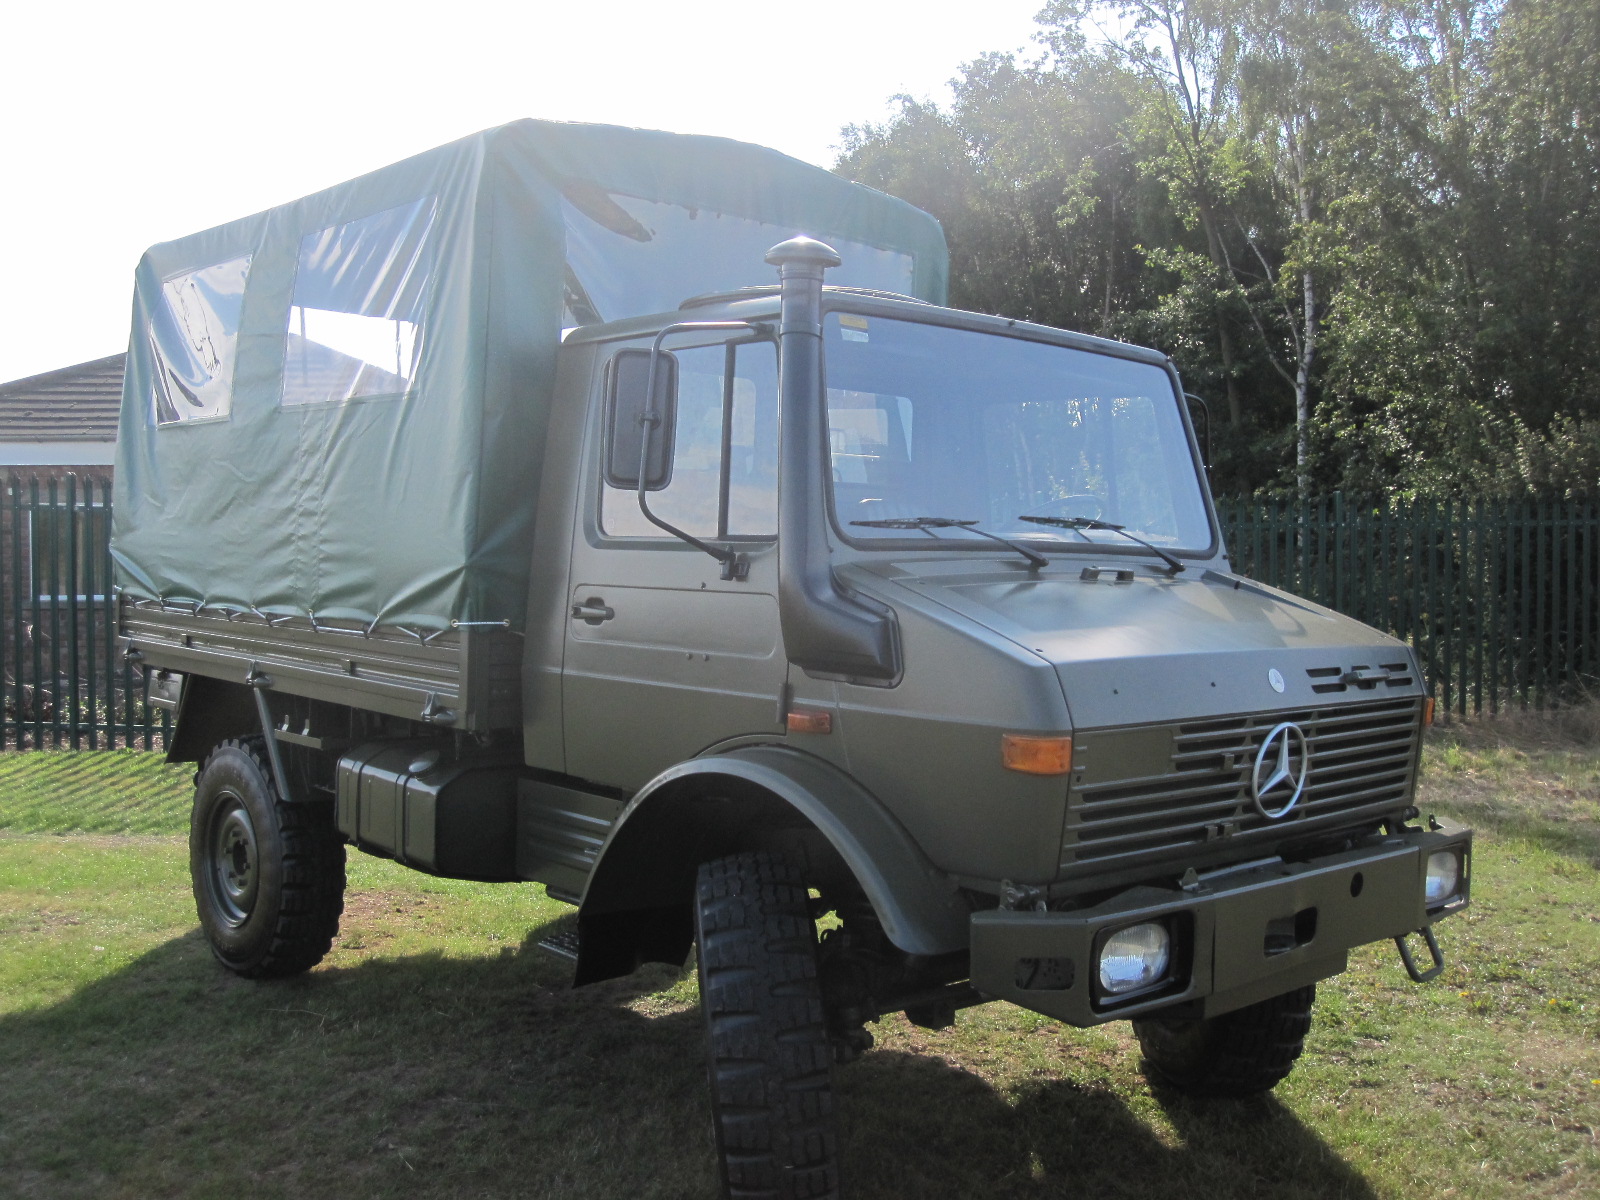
1363	754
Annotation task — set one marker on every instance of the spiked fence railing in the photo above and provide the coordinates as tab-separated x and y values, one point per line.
1500	600
64	682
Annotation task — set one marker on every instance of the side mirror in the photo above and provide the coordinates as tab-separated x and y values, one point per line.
628	400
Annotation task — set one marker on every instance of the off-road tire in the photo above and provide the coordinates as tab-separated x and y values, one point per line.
768	1057
268	876
1241	1053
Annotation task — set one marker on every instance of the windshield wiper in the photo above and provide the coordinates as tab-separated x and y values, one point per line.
1033	556
1082	523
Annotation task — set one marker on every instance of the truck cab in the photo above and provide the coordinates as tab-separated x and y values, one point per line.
1074	697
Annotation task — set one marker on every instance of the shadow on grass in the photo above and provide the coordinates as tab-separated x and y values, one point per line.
411	1076
426	1076
916	1127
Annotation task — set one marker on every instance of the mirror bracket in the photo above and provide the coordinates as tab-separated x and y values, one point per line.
735	566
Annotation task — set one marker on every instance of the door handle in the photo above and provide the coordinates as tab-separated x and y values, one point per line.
593	611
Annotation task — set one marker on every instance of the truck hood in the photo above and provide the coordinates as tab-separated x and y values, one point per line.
1136	647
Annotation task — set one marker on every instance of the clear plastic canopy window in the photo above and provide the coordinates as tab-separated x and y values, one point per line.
627	257
355	323
194	332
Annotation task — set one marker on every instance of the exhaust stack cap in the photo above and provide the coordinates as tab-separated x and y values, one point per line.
803	252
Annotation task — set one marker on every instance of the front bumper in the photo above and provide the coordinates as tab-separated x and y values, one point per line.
1238	936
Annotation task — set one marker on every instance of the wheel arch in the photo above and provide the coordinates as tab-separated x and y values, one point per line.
636	907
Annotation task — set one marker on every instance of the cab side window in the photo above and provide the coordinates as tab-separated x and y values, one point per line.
725	450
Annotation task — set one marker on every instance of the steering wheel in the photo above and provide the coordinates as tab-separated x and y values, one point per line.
1071	506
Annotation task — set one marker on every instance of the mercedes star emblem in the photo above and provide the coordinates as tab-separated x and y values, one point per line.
1280	771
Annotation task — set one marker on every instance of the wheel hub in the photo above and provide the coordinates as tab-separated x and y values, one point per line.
234	861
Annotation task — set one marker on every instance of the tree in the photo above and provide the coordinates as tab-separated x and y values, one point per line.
1185	125
1385	209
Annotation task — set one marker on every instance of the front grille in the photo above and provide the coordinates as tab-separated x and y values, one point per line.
1362	758
1335	679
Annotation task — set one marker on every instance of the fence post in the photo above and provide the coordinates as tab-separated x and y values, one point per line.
73	593
1591	588
18	645
109	619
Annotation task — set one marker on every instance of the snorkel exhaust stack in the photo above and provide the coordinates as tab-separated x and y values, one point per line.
827	630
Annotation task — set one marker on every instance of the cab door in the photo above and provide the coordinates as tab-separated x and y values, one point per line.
665	658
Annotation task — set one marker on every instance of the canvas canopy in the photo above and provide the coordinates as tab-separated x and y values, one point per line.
335	408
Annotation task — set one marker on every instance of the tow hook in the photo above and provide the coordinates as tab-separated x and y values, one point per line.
1022	897
1433	972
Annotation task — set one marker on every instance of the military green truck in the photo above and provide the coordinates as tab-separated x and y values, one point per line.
502	513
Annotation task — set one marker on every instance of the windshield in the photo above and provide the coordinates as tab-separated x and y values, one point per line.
925	420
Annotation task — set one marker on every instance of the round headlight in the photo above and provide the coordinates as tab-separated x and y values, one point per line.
1444	876
1135	957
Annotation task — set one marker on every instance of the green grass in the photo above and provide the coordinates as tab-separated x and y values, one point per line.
111	791
437	1053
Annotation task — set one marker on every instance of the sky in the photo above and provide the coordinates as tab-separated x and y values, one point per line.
126	124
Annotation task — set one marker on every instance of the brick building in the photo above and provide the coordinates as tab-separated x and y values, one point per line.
61	676
62	421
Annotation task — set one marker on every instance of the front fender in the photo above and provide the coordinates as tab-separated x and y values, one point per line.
710	807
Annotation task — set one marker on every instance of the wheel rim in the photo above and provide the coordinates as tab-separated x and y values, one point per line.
234	865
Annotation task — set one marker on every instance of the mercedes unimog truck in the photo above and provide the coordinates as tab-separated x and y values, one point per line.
623	512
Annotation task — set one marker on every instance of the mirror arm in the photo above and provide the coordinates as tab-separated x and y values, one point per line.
734	564
1205	442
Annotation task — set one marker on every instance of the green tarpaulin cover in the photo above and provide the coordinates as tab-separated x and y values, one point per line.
335	408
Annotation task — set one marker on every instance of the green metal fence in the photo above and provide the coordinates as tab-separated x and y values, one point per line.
1501	600
64	683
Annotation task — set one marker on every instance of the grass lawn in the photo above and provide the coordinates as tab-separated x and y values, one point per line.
436	1052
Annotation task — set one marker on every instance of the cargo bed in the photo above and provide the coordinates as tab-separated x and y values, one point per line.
465	678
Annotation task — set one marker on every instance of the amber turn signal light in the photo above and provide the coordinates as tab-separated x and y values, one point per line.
1036	755
803	721
1427	711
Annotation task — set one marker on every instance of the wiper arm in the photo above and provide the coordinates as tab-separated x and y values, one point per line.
1082	523
1034	558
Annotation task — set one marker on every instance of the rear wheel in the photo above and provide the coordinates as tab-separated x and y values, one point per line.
268	876
768	1056
1242	1053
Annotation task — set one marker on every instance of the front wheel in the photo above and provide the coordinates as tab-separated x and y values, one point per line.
1242	1053
268	876
768	1056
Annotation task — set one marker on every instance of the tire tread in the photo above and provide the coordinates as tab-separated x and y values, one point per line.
1238	1054
768	1053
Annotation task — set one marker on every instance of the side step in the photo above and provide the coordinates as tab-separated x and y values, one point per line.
561	944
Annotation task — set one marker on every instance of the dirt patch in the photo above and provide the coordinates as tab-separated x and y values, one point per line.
370	918
51	920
